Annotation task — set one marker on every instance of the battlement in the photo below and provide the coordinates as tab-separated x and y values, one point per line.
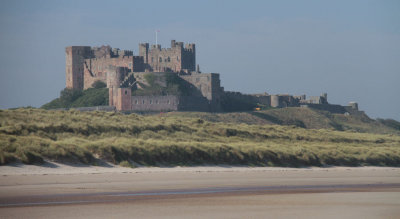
108	52
116	52
178	58
190	47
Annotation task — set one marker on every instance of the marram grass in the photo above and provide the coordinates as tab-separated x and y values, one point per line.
35	135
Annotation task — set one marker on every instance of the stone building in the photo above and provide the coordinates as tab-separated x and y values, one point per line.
125	73
121	71
178	58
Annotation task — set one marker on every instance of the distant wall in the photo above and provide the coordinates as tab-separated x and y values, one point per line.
236	101
154	103
169	103
209	86
92	108
200	104
327	107
207	83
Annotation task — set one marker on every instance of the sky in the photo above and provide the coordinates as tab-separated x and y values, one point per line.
349	49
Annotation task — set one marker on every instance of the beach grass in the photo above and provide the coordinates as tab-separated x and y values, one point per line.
34	135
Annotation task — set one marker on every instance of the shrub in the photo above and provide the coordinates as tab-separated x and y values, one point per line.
99	84
77	98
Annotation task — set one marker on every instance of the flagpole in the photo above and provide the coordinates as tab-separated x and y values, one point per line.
156	37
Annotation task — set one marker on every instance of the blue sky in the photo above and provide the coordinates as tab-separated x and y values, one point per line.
349	49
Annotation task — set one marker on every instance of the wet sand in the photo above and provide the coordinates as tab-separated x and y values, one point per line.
199	192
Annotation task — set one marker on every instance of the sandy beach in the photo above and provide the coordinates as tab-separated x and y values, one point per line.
77	191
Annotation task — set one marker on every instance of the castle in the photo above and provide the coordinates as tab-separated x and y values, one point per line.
125	73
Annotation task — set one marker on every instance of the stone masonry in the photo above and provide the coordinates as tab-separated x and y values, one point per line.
123	72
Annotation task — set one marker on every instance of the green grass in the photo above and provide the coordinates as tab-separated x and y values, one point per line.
33	135
301	117
76	98
174	86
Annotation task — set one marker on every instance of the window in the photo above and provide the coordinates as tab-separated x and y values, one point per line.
136	101
168	102
156	101
152	59
197	79
168	60
160	60
142	101
150	102
126	92
130	64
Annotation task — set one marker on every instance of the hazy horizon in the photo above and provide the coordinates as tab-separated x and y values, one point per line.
348	49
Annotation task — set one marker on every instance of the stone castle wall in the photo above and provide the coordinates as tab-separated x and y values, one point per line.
178	58
122	72
123	101
155	103
207	83
97	68
74	68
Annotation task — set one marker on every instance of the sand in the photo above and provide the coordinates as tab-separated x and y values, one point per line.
345	192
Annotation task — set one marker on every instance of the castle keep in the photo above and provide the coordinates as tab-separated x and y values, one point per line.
122	72
167	79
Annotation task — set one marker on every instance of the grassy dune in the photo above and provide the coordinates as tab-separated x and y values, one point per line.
32	135
301	117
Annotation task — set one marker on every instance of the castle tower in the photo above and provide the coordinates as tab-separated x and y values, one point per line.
189	57
74	65
275	101
115	75
144	51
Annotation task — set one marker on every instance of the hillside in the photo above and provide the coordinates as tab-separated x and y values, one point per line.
69	98
32	135
301	117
